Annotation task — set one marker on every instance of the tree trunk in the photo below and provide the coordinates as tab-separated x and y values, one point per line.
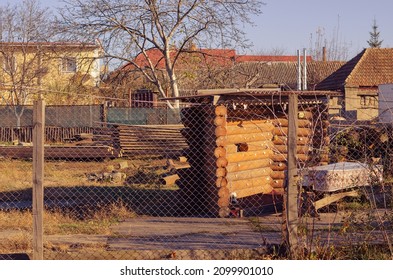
172	77
174	86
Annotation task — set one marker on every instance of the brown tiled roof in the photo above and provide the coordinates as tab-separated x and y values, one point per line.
267	58
369	68
217	57
257	74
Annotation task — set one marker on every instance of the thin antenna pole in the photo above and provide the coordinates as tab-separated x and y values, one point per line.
304	69
299	72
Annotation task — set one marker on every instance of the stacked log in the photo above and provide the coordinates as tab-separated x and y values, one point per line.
243	153
221	160
247	152
303	150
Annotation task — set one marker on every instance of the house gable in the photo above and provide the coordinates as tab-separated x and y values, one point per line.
374	68
337	80
369	68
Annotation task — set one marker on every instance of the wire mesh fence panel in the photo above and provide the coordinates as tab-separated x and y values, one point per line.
15	184
208	186
144	192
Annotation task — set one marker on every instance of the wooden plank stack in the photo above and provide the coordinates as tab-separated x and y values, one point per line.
165	140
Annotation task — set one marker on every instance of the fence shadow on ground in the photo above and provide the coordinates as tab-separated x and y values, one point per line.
84	200
87	199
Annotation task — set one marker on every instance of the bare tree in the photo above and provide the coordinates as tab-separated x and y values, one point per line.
127	28
21	69
336	48
275	51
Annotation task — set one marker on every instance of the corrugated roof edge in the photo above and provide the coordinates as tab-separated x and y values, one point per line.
251	92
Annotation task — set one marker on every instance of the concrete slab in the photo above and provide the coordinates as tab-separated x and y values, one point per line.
189	233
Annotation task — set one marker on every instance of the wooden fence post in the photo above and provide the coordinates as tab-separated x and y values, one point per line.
291	203
38	177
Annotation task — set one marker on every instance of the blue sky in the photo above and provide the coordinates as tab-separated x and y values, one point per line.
287	25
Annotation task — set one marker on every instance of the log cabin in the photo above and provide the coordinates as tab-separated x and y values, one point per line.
238	145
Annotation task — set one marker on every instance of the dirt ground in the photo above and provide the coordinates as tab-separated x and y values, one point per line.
208	238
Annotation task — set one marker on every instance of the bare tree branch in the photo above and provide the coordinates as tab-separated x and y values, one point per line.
128	28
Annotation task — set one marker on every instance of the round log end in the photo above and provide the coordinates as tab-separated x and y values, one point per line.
224	212
220	121
221	172
223	192
223	201
220	131
221	110
221	162
220	152
221	182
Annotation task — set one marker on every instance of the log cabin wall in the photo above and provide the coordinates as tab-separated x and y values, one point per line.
248	145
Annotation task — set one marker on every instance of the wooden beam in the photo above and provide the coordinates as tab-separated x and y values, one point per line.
329	199
247	156
38	178
291	204
246	165
243	138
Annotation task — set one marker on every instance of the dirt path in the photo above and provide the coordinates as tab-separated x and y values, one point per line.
156	237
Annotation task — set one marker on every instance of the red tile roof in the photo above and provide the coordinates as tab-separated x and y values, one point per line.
219	57
369	68
216	56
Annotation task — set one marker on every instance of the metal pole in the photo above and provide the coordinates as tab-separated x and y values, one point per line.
299	72
304	69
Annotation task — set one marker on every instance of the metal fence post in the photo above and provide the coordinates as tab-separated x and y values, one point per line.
38	177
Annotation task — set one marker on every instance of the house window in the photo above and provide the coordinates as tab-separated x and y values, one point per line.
68	64
368	101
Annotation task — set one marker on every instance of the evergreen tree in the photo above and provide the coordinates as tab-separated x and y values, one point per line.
374	41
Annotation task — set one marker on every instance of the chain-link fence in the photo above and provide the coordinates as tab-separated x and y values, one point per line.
207	186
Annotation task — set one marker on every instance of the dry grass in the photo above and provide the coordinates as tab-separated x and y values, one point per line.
58	222
16	243
95	222
19	220
17	174
16	184
17	226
